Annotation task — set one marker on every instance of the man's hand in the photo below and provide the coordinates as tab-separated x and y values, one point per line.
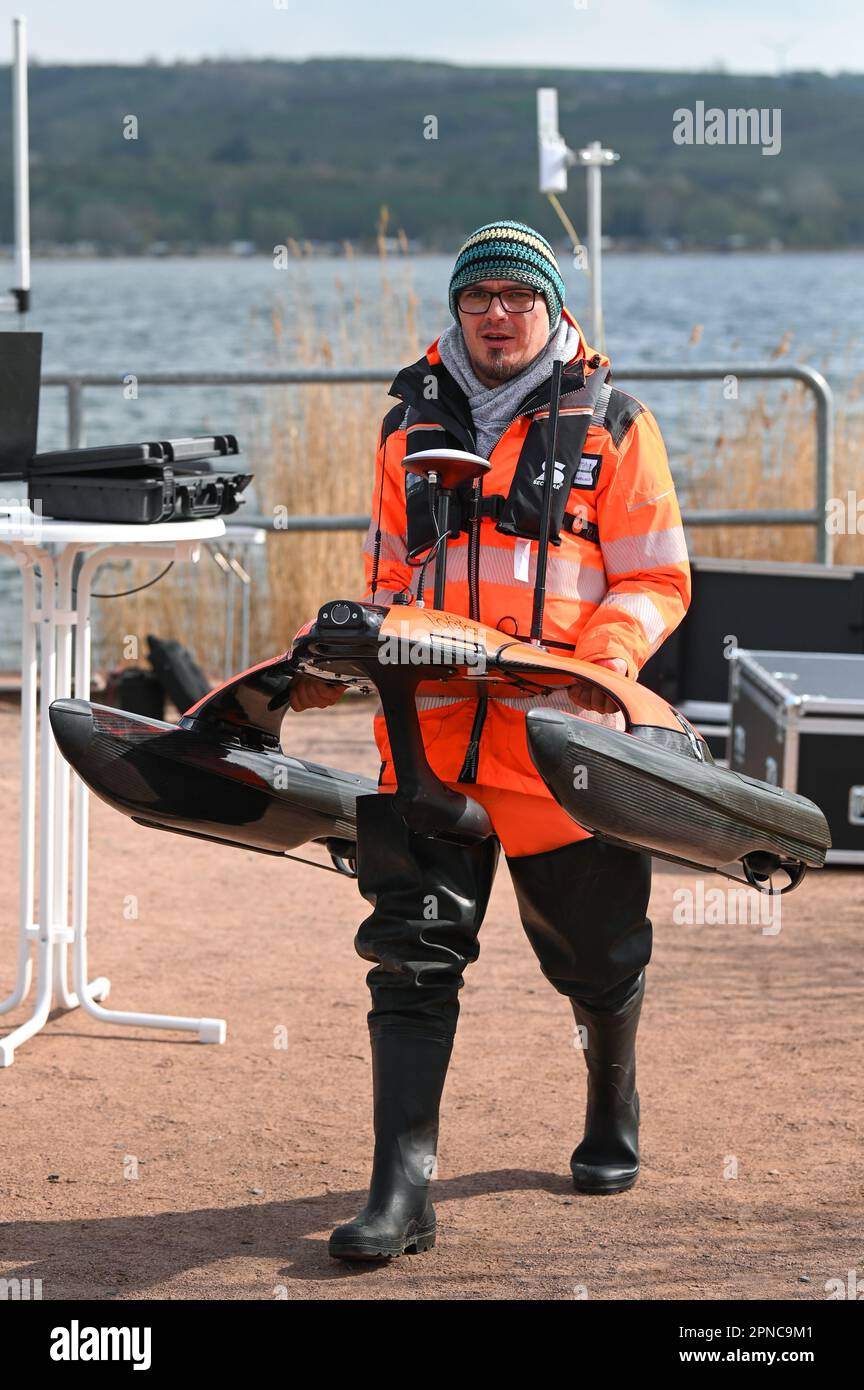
592	698
308	692
614	663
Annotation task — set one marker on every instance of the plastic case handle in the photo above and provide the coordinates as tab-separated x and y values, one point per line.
199	446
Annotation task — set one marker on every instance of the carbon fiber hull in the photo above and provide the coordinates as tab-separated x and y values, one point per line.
640	793
204	782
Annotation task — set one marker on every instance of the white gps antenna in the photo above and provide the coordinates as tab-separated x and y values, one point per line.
555	159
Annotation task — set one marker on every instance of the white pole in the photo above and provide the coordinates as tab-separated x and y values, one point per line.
21	166
595	224
594	157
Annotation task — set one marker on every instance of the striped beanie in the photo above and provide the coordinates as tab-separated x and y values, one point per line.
510	251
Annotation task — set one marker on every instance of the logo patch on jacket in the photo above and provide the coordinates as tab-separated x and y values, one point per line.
558	479
588	471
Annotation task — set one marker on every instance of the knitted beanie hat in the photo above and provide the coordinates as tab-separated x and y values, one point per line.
510	251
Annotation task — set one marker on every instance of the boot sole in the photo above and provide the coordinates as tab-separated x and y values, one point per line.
603	1189
380	1249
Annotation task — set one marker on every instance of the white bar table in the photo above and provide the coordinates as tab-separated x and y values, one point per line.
25	536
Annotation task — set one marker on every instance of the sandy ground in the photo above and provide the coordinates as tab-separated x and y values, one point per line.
137	1164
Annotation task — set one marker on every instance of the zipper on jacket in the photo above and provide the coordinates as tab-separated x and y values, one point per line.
532	410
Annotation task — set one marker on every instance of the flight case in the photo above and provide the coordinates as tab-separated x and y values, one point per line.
159	480
797	720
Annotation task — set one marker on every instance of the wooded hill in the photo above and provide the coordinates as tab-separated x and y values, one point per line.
265	151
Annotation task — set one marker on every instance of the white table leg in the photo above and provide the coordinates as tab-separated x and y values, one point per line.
64	620
44	934
62	687
210	1030
27	827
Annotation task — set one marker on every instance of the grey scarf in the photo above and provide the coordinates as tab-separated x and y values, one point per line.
493	407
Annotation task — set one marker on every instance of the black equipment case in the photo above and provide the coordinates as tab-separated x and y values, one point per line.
182	678
797	720
160	480
757	605
20	375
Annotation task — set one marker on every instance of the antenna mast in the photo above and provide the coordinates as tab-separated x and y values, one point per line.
19	299
555	159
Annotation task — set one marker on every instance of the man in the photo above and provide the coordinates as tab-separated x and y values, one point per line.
618	583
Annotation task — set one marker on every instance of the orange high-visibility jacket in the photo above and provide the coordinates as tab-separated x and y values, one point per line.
617	585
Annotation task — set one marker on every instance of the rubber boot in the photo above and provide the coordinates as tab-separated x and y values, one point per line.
429	897
607	1160
408	1072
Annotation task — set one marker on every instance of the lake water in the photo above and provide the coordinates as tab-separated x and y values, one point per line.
130	316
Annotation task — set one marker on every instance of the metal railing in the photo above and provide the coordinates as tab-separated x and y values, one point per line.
77	382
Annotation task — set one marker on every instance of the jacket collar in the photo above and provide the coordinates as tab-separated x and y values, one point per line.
449	404
449	407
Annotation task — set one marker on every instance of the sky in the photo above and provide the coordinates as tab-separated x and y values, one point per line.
764	36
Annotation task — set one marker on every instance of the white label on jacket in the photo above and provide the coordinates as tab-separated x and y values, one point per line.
521	556
588	471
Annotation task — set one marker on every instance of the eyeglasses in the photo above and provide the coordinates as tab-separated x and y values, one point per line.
474	301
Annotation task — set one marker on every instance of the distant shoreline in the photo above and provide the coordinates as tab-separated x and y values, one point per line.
206	253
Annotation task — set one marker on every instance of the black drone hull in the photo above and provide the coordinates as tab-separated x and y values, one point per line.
643	794
205	783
